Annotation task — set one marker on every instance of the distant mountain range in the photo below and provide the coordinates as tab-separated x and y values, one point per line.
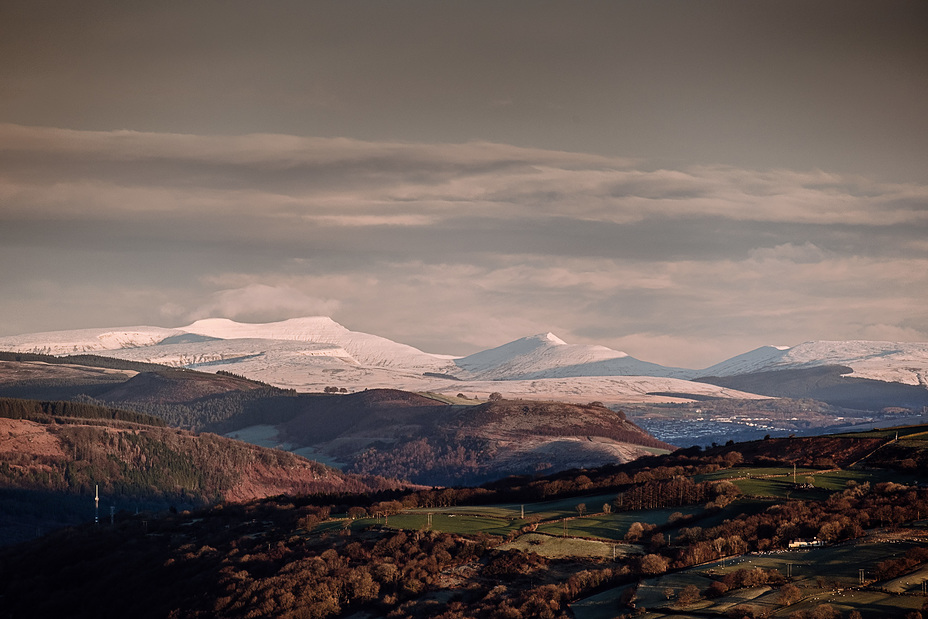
309	354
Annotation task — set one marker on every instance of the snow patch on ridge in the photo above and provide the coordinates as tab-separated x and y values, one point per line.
79	341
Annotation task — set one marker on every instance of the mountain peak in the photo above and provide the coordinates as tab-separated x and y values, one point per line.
305	328
550	337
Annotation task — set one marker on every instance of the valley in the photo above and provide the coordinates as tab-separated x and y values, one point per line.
708	533
299	469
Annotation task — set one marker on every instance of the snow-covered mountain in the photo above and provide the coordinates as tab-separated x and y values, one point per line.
363	348
86	340
548	356
310	353
900	362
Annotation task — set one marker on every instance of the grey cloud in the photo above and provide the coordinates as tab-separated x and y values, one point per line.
835	84
338	179
457	246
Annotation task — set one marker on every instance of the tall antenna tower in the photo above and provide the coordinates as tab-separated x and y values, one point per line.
96	506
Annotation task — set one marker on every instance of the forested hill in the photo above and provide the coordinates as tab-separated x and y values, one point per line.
34	410
424	438
706	533
69	449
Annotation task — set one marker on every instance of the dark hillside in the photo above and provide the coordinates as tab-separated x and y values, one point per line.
67	450
428	442
61	412
554	419
95	361
904	448
384	432
827	384
326	417
173	386
691	533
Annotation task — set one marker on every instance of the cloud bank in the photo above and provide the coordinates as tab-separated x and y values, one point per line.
453	247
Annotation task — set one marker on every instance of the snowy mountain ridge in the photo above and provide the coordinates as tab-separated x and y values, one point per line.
548	356
311	352
902	362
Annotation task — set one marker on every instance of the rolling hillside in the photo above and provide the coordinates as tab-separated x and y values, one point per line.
58	453
802	528
399	434
393	433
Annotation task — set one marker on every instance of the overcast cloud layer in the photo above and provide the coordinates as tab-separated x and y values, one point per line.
680	184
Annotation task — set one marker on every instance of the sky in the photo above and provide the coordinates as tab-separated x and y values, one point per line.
683	181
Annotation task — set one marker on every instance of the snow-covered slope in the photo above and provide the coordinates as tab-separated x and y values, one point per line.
608	389
902	362
757	360
364	348
310	353
86	340
547	356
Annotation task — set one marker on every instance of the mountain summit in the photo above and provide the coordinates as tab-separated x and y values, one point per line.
310	353
548	356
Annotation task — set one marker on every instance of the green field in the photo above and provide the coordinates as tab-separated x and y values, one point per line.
756	471
778	481
447	523
543	510
605	605
888	433
612	526
824	575
839	565
450	399
563	547
870	604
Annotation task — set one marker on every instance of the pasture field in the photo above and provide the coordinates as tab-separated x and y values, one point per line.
908	583
563	547
605	605
465	524
661	591
838	565
450	399
612	526
889	433
544	510
779	487
778	482
756	471
445	523
870	604
824	575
